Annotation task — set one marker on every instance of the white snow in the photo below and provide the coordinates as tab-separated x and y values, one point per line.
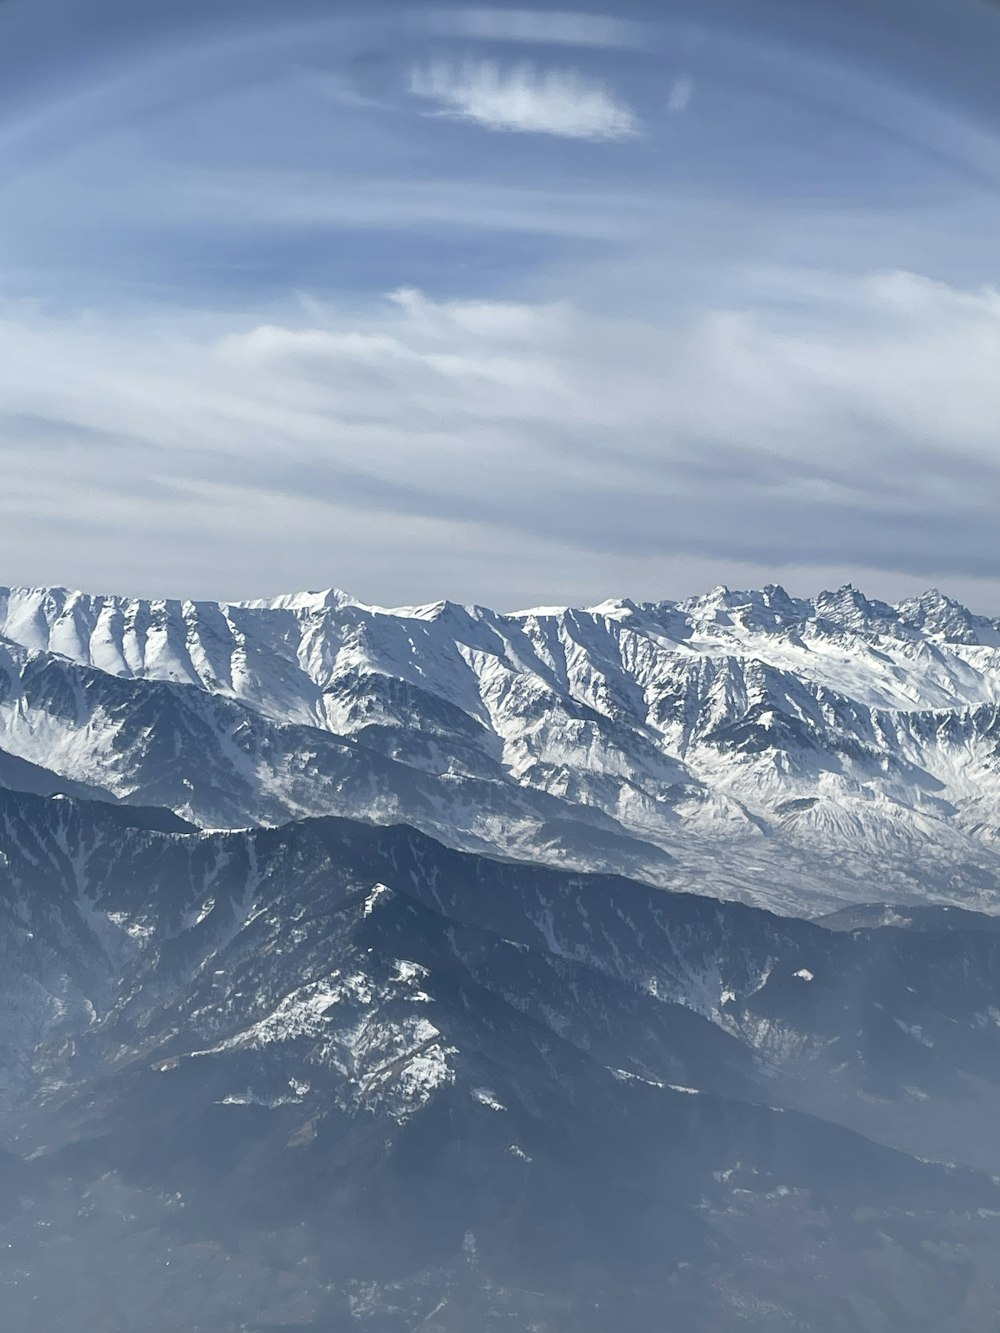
377	892
792	753
486	1098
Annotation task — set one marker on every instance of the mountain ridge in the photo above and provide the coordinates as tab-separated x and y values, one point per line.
746	744
341	1070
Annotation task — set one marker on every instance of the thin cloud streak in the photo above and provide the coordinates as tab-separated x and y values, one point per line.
542	27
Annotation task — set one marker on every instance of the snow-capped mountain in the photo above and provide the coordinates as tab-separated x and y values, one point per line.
337	1076
313	1017
798	754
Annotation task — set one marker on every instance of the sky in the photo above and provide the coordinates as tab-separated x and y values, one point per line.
506	305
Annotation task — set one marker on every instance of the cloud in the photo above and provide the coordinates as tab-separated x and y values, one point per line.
853	431
680	93
524	98
553	27
731	380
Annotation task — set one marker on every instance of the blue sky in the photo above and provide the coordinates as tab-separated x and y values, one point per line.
502	304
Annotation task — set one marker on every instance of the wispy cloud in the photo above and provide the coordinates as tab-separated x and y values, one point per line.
553	27
680	93
717	385
524	98
858	429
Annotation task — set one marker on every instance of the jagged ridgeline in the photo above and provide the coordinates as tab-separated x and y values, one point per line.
802	755
336	1076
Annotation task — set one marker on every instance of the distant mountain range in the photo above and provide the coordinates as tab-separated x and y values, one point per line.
800	755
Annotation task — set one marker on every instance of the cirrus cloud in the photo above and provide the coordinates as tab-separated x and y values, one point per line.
554	27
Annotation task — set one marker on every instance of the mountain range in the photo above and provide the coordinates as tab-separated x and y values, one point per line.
748	745
566	971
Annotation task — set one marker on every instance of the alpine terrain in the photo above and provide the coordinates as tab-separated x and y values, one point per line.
752	746
616	970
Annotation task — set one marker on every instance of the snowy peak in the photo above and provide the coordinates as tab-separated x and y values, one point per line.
307	603
819	742
772	598
940	617
851	609
771	609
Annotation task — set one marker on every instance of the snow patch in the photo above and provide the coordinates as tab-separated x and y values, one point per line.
486	1098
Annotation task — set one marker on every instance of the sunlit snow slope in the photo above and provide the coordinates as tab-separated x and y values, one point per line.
798	754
